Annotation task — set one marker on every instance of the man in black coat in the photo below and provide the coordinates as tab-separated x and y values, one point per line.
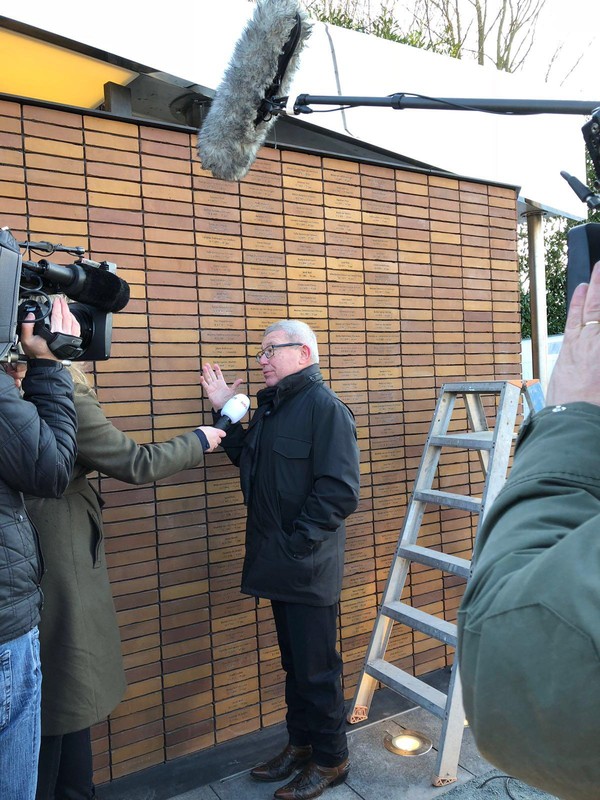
37	453
299	472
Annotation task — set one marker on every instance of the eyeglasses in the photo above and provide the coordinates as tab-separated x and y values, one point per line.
269	351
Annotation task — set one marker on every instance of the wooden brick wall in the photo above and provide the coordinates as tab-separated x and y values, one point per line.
409	280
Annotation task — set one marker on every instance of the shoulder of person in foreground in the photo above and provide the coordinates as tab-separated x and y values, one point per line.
556	459
527	628
528	634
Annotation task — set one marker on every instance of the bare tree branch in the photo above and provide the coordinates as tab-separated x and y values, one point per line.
576	64
498	32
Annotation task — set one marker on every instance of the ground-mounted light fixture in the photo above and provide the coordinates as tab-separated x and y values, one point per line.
407	743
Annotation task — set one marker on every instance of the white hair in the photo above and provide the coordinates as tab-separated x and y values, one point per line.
297	331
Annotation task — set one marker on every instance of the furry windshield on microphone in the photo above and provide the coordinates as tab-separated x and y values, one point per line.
262	67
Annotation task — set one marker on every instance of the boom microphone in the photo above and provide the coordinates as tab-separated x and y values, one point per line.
233	411
91	285
260	71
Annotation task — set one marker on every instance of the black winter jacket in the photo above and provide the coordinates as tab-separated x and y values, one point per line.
37	453
299	471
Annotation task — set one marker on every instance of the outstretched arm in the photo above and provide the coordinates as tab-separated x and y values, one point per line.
104	447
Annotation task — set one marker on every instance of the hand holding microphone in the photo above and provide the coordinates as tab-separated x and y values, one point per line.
233	411
213	437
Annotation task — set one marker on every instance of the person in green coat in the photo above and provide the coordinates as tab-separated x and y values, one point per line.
529	622
83	677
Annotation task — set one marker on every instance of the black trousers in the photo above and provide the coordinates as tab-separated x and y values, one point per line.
65	767
313	669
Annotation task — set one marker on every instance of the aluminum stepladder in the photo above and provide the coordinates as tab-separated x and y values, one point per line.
494	450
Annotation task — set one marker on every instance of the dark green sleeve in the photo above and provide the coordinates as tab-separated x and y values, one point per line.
552	489
103	447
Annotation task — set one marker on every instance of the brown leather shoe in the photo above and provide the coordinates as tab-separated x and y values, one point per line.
283	765
312	781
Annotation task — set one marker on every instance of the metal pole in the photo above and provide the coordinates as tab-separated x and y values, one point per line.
537	291
303	103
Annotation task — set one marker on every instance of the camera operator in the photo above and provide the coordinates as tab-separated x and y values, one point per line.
529	623
37	453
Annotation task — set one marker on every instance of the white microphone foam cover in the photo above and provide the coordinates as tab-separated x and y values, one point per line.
236	407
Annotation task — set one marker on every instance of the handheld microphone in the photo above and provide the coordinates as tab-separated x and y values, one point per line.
85	282
249	97
233	411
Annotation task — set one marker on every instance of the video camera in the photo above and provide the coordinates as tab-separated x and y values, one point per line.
26	286
583	241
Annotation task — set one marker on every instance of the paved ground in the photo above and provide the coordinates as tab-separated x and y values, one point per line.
376	773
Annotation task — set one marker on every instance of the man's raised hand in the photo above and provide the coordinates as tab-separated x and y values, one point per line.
216	388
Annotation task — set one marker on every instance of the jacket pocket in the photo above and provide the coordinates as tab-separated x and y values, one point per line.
277	568
292	448
290	506
27	535
296	568
292	465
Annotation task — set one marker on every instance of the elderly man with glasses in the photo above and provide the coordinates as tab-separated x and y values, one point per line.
299	472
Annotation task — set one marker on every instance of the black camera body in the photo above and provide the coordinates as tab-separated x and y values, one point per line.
10	277
583	241
26	286
583	251
591	137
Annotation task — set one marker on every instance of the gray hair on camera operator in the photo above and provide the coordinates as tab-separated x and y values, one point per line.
37	454
529	623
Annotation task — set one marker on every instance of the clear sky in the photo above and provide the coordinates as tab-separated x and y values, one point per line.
574	25
570	26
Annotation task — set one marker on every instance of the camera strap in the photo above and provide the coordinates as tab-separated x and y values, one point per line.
63	345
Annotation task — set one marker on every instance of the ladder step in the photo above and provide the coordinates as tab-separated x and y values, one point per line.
407	685
435	559
483	387
472	504
433	626
475	440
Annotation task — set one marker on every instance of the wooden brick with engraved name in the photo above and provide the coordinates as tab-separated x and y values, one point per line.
302	184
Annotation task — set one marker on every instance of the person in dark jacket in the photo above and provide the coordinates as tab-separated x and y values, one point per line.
299	472
79	634
37	453
529	623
